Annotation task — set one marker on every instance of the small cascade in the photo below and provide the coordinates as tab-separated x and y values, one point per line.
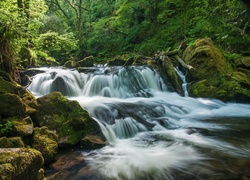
184	82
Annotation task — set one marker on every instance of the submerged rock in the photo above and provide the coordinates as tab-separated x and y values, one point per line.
21	163
213	75
67	118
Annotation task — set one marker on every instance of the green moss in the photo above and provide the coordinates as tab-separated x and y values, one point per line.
207	60
45	141
213	75
11	105
14	142
6	171
67	118
20	163
6	87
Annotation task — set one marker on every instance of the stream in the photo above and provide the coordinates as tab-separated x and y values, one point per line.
151	133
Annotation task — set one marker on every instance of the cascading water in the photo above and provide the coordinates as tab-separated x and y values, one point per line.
184	82
152	133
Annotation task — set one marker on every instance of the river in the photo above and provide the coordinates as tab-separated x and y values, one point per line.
152	133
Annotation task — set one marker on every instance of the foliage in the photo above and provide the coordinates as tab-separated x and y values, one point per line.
8	35
5	127
111	27
56	45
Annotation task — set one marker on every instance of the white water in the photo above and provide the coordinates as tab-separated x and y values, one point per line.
184	82
152	133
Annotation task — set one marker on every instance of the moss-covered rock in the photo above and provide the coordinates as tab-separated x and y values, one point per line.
70	121
214	76
7	87
45	141
20	163
15	100
174	81
13	142
21	126
207	60
243	62
11	105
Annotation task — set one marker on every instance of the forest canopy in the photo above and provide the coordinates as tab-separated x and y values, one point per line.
42	32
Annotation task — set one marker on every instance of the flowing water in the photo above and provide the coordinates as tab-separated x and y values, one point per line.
152	133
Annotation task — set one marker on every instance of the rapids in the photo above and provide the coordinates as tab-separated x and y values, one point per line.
152	133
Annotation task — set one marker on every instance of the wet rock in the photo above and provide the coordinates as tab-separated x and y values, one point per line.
192	130
21	163
70	165
45	141
92	142
67	118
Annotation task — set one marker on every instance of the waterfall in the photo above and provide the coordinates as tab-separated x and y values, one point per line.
152	133
121	82
184	82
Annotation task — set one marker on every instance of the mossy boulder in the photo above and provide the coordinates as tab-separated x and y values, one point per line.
13	142
15	100
45	141
21	163
207	60
21	126
11	105
7	87
214	76
67	118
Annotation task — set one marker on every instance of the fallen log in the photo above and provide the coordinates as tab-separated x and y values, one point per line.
189	67
171	53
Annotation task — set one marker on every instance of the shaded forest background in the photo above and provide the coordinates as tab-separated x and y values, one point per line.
43	32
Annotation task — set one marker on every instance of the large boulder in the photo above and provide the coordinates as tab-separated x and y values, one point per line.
67	118
213	75
11	105
21	163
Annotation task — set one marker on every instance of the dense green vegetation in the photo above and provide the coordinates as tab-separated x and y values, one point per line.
37	32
